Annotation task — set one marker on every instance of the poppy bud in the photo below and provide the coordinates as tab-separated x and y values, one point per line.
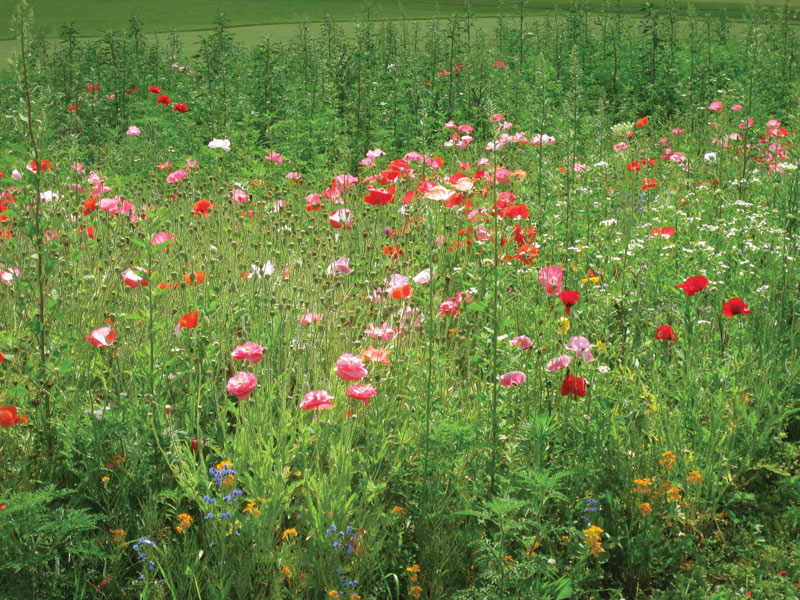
195	444
167	410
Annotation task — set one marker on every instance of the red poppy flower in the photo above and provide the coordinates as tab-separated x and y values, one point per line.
735	306
515	211
164	99
45	165
72	107
201	207
378	197
569	298
181	108
8	416
664	232
642	122
89	205
648	183
197	277
189	320
573	385
394	251
401	292
154	89
94	87
665	333
693	285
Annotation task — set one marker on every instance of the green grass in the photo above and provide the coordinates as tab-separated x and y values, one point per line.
93	17
677	474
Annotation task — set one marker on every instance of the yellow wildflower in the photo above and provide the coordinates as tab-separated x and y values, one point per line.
184	521
563	326
251	508
228	479
333	594
416	592
105	479
286	571
413	569
643	486
354	596
289	532
644	508
118	535
673	494
695	477
593	540
399	511
668	459
509	560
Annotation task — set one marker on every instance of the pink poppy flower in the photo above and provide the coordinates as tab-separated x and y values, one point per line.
101	337
581	347
132	279
550	278
239	196
311	317
619	146
340	267
161	238
350	368
249	351
16	175
7	274
293	175
362	392
384	332
559	362
523	342
716	105
274	157
176	176
133	131
736	107
512	378
422	277
241	384
317	400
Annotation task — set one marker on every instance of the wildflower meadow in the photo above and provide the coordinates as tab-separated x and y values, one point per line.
422	310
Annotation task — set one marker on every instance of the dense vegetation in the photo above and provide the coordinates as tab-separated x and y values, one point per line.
417	313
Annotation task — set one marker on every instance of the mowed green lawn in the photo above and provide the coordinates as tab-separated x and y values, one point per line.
253	20
93	17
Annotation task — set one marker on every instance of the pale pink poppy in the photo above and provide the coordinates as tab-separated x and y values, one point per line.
559	362
110	205
512	378
132	279
274	157
736	107
465	128
523	342
176	176
581	347
450	125
497	117
317	400
550	278
422	277
362	392
192	164
161	238
619	146
241	384
383	332
7	274
340	267
133	131
239	195
293	175
350	368
716	105
249	351
310	317
677	131
16	175
222	144
439	192
397	280
101	337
